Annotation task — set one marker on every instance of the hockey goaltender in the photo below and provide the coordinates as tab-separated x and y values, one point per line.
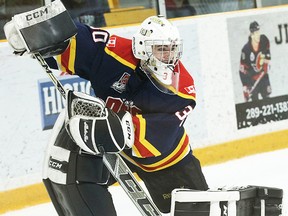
134	124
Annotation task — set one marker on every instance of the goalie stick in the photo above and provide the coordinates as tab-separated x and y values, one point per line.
115	164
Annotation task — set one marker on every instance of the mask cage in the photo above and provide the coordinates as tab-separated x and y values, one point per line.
163	52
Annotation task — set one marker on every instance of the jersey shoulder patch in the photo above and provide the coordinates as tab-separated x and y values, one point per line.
121	49
186	83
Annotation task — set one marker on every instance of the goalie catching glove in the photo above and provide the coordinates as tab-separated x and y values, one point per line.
95	128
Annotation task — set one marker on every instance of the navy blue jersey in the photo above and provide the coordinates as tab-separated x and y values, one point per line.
109	64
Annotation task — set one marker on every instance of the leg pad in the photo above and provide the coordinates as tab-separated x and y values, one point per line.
240	201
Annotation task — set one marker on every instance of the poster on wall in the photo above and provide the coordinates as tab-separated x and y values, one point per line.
259	64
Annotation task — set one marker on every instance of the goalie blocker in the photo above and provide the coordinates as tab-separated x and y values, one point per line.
46	30
241	201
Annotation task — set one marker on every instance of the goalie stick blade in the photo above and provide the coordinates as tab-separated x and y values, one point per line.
127	181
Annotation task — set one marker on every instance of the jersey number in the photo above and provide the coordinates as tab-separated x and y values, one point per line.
99	35
182	115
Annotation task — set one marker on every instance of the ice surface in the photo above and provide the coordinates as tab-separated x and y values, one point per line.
267	169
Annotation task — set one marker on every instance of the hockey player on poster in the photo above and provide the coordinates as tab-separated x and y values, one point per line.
145	77
254	65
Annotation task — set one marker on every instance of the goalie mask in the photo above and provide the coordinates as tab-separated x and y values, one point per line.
158	45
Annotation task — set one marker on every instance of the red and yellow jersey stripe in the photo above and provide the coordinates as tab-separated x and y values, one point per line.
178	153
66	60
142	147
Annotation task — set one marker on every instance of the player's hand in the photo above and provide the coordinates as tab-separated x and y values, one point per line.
14	38
246	92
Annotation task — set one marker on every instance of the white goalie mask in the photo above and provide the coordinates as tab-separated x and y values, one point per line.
158	45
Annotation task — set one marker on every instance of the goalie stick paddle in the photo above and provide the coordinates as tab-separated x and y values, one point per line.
115	164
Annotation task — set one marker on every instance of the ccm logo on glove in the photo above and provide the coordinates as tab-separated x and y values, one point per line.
129	130
36	14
